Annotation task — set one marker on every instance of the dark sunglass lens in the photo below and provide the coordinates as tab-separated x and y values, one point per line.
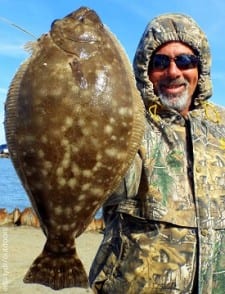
160	61
185	61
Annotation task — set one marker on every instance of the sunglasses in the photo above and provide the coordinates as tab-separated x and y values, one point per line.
183	61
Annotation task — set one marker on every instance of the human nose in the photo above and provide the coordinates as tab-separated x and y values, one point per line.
172	70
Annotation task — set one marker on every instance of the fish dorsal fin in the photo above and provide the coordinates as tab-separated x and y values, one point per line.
11	115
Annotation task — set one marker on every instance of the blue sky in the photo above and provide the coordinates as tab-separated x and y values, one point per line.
125	18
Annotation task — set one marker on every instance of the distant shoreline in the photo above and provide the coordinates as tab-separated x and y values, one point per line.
4	155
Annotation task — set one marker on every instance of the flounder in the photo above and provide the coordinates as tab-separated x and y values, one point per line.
74	121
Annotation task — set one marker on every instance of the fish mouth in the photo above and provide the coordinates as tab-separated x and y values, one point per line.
86	37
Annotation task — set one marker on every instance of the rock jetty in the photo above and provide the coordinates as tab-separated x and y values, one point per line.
27	217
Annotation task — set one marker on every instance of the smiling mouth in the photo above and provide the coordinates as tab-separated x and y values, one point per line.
173	88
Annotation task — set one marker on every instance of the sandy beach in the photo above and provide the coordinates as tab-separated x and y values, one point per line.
19	246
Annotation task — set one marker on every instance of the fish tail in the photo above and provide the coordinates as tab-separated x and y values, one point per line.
57	272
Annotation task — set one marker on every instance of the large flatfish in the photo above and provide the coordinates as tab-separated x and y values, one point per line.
74	121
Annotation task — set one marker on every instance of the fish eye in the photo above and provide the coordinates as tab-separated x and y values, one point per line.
81	18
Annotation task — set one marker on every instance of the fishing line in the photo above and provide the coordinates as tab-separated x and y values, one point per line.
5	20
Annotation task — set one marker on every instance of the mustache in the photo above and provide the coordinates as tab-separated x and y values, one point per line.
173	82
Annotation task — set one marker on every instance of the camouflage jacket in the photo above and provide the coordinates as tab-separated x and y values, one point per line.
165	225
154	234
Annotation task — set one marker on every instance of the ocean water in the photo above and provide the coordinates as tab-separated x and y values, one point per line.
12	193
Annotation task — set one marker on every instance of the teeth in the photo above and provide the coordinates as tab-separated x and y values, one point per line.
174	86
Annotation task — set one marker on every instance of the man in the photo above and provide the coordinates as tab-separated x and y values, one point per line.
165	225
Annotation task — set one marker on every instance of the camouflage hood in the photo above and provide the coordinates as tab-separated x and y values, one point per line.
172	27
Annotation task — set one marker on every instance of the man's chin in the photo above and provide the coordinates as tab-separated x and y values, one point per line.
170	102
177	102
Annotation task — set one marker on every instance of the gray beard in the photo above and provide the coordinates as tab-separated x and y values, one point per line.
177	102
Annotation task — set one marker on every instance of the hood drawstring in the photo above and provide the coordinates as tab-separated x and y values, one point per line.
153	111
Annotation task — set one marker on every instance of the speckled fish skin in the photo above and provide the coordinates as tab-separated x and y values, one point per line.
74	121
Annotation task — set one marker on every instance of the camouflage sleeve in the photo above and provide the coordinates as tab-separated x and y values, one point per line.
129	186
